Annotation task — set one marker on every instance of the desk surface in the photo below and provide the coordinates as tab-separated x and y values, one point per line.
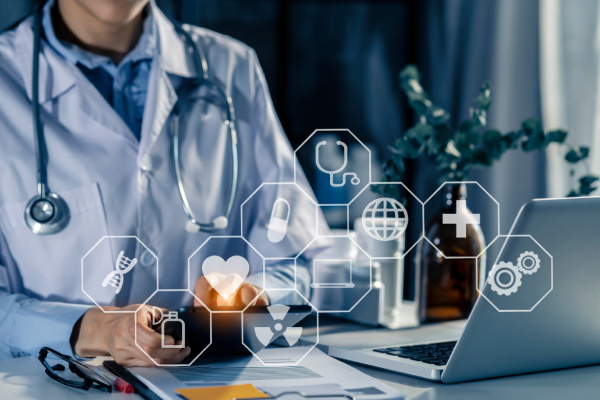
24	378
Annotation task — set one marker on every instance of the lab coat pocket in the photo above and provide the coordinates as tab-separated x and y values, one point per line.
50	266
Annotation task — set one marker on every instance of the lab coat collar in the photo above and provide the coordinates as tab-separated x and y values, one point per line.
172	55
57	75
54	78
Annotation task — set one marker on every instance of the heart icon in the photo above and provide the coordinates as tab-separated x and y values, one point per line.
225	276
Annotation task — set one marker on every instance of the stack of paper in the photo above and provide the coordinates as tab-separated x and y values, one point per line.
317	374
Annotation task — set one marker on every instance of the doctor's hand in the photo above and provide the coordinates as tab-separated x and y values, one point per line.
104	334
245	294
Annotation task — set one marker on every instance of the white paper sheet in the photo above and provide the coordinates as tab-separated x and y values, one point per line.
315	369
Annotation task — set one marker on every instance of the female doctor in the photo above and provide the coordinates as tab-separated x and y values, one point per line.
109	74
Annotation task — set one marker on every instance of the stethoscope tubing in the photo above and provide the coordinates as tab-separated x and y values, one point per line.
185	96
60	217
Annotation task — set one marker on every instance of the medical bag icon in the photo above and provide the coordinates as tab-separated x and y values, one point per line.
277	224
278	313
171	325
122	266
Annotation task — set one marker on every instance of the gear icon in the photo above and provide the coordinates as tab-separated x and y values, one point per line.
528	263
502	288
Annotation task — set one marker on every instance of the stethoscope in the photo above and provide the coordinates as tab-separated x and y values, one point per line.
48	213
355	180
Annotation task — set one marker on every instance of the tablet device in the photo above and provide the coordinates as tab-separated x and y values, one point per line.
233	330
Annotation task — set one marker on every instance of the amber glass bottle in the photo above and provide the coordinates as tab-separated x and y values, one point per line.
448	286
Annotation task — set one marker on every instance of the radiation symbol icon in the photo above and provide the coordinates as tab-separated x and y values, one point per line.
266	333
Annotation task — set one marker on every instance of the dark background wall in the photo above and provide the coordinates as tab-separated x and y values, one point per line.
335	64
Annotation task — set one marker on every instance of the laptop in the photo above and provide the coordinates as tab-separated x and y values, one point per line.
332	274
562	330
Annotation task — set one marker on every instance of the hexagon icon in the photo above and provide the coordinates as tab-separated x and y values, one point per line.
459	214
110	268
382	231
339	162
226	262
189	329
341	273
283	219
521	275
275	324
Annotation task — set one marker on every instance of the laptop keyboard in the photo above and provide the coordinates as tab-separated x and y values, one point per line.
435	353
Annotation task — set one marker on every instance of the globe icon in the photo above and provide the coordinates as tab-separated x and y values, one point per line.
385	219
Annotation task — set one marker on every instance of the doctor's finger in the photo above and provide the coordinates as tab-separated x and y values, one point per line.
248	295
133	357
203	291
175	355
148	336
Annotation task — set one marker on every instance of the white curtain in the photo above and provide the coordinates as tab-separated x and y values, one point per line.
471	41
569	83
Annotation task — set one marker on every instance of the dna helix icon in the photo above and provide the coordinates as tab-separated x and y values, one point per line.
122	266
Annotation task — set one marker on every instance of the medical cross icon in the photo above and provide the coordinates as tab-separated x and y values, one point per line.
461	219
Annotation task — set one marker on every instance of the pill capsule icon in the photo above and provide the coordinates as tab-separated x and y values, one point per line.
280	217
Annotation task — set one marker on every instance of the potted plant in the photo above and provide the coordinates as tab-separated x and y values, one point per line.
447	286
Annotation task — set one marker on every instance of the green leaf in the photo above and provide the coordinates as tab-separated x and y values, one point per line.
393	168
420	132
407	147
588	179
534	138
410	72
586	184
418	99
481	158
452	150
531	125
437	115
438	141
534	142
511	139
573	193
493	144
557	136
586	190
466	139
484	100
577	154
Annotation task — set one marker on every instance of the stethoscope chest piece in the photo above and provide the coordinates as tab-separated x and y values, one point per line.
47	215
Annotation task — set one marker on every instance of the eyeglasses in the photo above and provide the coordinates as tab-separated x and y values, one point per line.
90	378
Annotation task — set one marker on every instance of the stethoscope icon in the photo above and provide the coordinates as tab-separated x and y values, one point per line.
354	180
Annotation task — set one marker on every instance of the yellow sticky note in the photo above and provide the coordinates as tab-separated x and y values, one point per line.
247	391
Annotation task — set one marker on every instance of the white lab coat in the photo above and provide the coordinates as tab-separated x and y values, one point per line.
95	165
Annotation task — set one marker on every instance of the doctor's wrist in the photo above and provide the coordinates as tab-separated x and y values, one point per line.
94	332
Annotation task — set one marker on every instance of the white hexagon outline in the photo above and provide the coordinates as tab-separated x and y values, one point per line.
296	161
135	329
305	354
497	258
347	229
422	221
278	183
202	245
370	273
92	249
460	182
